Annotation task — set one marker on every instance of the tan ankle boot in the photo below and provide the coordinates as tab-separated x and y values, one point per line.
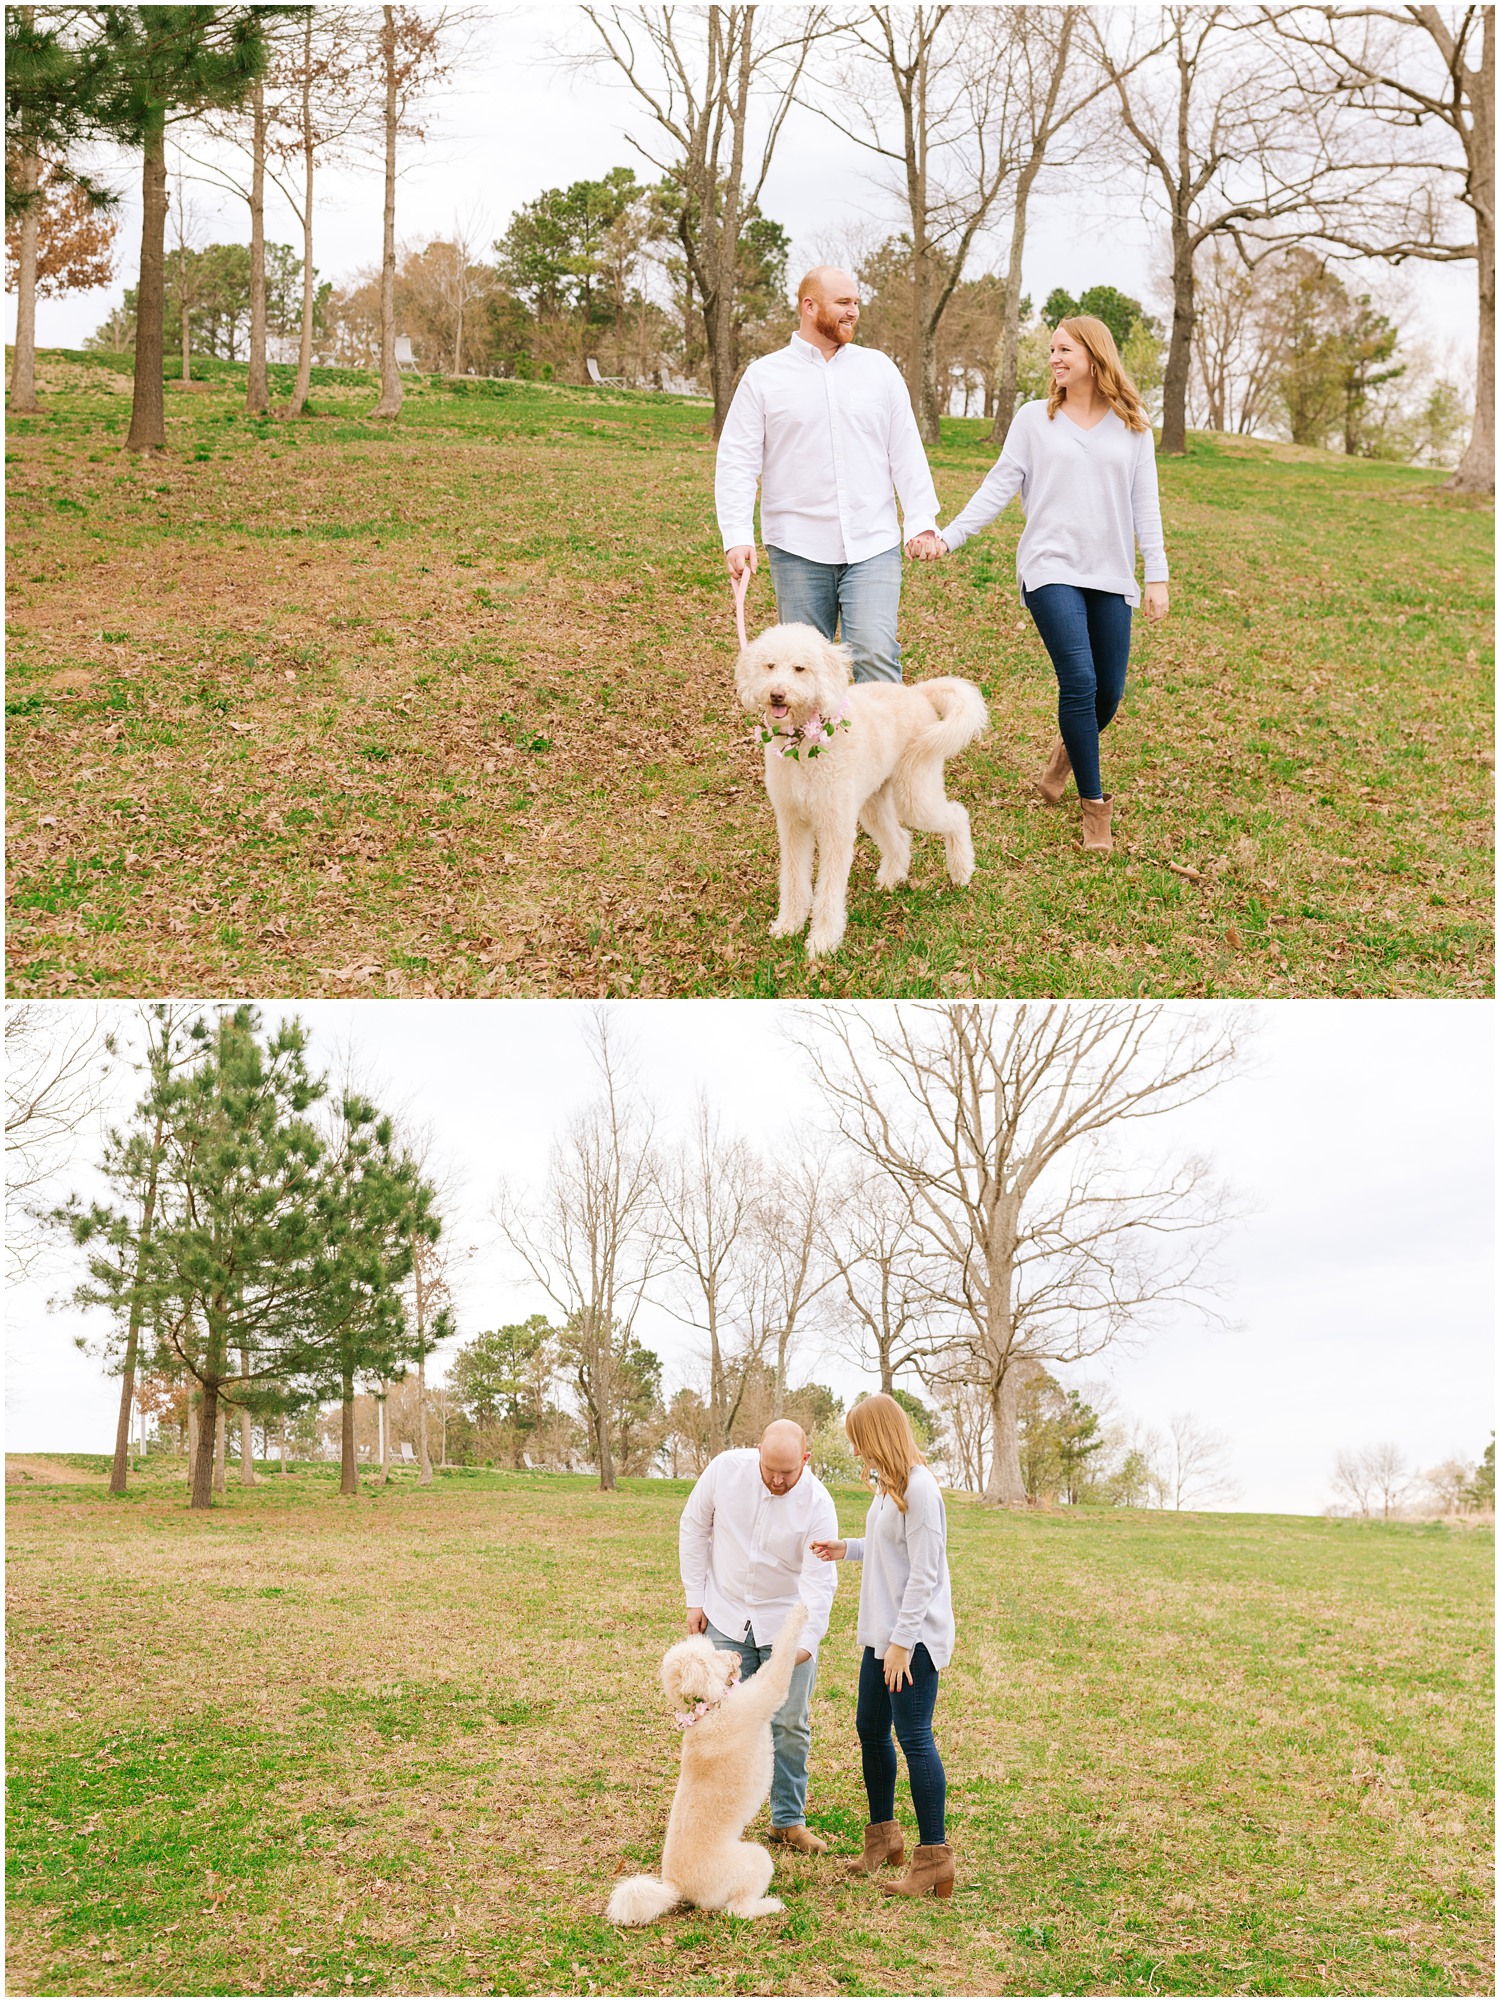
1096	834
884	1843
800	1837
1053	782
931	1870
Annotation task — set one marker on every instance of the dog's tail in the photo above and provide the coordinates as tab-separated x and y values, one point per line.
962	717
635	1901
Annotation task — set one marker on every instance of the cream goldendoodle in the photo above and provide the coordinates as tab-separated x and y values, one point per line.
726	1774
842	757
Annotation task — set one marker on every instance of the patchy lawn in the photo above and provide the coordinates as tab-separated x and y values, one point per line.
444	707
403	1744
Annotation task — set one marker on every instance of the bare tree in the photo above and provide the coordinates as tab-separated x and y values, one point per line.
948	114
589	1241
56	1078
707	1192
1372	1479
429	1291
1004	1126
1212	121
412	54
1420	81
1190	1468
791	1272
1445	1485
1050	95
698	73
880	1256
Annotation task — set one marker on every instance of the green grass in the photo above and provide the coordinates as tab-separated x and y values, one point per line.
444	707
404	1744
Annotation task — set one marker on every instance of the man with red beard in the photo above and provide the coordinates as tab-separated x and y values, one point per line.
826	430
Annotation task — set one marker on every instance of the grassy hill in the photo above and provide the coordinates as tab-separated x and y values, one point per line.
444	707
404	1744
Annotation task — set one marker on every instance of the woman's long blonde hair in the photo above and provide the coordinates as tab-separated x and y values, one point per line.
1110	379
880	1432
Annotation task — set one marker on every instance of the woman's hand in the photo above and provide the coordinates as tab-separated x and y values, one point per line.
1154	602
830	1553
897	1662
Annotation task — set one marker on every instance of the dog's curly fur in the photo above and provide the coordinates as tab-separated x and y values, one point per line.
726	1774
883	773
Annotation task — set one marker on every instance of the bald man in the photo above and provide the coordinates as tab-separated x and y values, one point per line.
744	1547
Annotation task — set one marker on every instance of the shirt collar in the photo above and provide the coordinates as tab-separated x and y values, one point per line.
810	353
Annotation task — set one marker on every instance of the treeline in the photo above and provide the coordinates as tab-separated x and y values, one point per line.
1274	146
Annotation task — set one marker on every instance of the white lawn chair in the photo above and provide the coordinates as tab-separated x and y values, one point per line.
404	356
603	381
406	1452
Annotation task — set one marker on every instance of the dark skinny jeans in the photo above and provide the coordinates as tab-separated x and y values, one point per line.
1087	633
910	1709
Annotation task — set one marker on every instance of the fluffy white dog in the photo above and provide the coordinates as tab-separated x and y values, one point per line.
840	757
726	1774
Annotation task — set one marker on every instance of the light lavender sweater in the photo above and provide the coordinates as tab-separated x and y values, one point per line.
1089	496
904	1592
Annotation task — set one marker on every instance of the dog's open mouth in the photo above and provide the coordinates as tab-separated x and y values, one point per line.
775	711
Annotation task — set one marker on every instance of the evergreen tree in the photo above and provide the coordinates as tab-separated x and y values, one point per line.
151	67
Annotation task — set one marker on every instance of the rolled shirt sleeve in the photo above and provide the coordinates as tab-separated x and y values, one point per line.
910	472
1145	508
694	1531
737	467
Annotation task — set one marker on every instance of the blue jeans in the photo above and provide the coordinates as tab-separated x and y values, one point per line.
910	1708
791	1727
862	599
1087	633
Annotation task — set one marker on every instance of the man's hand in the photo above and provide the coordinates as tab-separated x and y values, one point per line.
896	1661
1154	603
803	1654
697	1620
741	557
927	546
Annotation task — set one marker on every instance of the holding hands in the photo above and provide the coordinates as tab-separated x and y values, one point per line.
927	547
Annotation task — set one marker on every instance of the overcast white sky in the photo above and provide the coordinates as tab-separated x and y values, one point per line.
1361	1285
513	122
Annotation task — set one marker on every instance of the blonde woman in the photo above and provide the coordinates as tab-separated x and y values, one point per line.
906	1631
1084	464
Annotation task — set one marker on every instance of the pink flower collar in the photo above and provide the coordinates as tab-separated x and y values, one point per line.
809	737
686	1719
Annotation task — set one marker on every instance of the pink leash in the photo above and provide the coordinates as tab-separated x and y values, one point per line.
741	586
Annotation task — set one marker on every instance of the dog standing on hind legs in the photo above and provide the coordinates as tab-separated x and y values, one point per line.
842	757
726	1774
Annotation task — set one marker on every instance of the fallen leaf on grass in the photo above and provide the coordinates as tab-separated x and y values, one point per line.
1183	869
1232	937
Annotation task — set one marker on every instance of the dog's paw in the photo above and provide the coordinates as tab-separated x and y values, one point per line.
821	941
780	927
890	875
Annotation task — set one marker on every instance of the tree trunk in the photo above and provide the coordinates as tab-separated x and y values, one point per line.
424	1457
390	376
221	1447
1174	386
304	345
1005	1486
382	1414
192	1439
148	417
721	328
257	393
210	1418
1476	467
349	1472
285	1468
1010	326
22	399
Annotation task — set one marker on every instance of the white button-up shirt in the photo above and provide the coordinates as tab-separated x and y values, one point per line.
828	442
744	1552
